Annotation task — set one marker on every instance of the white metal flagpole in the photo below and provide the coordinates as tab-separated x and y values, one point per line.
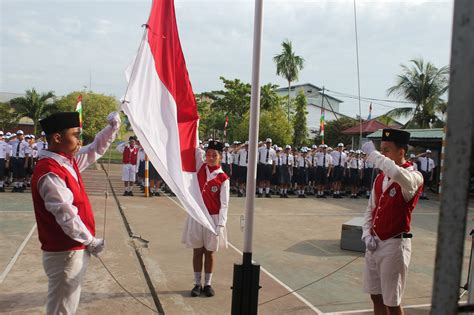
246	276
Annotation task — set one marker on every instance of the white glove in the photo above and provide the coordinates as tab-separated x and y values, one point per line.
96	246
113	119
368	147
370	243
219	230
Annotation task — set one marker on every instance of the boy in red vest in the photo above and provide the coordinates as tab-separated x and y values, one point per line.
386	228
129	160
64	216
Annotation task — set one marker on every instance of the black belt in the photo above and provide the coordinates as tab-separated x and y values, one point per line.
404	235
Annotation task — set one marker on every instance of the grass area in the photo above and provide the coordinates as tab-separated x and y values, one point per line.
115	156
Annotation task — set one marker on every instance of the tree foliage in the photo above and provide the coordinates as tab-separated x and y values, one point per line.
333	131
424	85
300	133
95	108
288	66
8	117
34	106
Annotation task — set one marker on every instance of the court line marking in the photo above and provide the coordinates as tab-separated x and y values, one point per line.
298	296
17	254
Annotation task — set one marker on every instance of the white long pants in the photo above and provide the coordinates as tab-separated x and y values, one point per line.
65	271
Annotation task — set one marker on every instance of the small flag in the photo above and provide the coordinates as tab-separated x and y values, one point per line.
321	126
79	109
225	125
370	112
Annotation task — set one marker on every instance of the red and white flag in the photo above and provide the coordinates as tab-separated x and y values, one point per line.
162	110
225	125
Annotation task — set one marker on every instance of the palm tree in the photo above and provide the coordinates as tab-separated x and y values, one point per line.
424	85
288	66
34	106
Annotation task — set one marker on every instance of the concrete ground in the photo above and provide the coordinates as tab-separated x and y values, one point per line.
296	241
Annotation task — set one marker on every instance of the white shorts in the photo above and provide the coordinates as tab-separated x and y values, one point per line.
128	172
386	269
197	236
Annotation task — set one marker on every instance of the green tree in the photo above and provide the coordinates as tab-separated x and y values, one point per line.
233	99
424	85
273	124
34	106
95	108
288	66
300	135
333	131
8	117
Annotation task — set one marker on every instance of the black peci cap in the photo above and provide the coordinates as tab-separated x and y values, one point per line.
60	121
215	145
395	135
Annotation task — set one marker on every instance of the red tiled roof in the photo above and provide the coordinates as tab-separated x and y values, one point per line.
368	126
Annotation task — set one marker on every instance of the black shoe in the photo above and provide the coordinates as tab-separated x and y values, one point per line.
323	196
156	194
282	196
268	196
130	193
15	189
21	189
208	291
2	189
240	194
285	196
125	193
196	291
259	196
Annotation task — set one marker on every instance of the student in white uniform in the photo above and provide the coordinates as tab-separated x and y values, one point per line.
355	166
323	169
339	161
215	190
427	166
19	161
304	163
286	162
129	164
4	157
266	167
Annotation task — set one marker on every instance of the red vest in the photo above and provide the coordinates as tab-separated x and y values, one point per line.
130	155
211	190
392	214
51	235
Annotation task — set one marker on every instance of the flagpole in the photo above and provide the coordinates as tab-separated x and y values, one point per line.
246	276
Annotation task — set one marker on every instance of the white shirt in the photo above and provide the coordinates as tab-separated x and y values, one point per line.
5	150
41	145
227	157
426	164
339	158
356	163
243	157
321	157
303	161
58	198
20	147
266	155
408	179
285	159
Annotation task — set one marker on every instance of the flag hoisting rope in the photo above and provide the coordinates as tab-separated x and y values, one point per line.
162	110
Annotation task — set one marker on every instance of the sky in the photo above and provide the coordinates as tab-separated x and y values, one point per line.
71	45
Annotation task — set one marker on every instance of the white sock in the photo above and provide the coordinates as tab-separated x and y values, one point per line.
197	278
267	190
260	191
281	191
1	183
285	191
207	278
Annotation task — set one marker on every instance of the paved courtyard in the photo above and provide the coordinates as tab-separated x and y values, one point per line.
296	241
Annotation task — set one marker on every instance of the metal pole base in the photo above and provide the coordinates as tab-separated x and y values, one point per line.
246	284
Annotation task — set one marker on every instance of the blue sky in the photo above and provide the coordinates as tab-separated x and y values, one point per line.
59	45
